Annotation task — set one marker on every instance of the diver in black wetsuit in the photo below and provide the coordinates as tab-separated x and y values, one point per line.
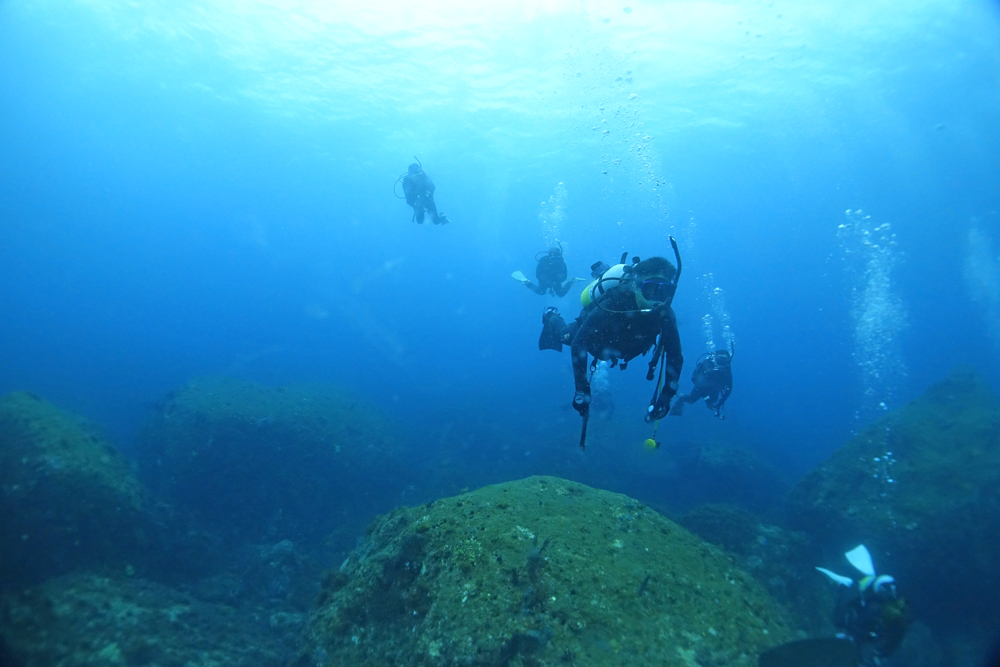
551	274
626	312
419	192
870	612
875	617
713	381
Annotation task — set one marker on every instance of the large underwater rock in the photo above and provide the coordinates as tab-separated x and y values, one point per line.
538	572
68	499
921	488
259	463
82	620
781	560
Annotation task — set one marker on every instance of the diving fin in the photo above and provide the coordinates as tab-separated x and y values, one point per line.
519	277
861	560
552	326
839	578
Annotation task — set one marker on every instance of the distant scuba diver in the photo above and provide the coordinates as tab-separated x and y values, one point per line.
870	612
550	272
871	618
625	312
713	381
418	190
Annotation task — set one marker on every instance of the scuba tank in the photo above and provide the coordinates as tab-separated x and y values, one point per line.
611	278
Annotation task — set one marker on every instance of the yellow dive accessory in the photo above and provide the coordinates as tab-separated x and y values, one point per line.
595	290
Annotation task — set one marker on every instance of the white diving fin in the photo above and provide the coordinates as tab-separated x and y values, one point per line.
839	578
861	560
519	277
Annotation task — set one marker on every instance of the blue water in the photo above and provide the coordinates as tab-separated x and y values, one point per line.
194	188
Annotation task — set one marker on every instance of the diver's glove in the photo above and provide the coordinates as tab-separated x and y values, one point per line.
581	401
660	408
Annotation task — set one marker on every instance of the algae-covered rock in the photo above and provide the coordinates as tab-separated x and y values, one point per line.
269	463
84	620
781	560
921	488
538	572
68	499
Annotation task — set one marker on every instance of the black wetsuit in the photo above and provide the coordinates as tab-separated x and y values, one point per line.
619	337
711	382
877	622
550	273
419	191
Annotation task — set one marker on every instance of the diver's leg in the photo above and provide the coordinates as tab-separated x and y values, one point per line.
711	399
560	290
432	209
695	395
677	409
418	213
537	289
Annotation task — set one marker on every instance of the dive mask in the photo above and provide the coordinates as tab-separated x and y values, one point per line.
657	290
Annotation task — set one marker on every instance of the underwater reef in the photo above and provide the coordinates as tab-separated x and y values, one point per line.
258	463
538	572
921	488
68	499
781	560
86	619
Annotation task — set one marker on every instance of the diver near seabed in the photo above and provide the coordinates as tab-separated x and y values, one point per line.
626	311
870	612
418	190
871	616
550	273
712	379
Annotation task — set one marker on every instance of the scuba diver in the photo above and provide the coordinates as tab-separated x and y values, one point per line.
713	381
550	272
418	190
870	612
626	311
871	616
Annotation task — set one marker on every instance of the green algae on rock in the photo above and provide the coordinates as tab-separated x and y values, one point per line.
84	619
538	572
68	499
921	488
781	560
262	463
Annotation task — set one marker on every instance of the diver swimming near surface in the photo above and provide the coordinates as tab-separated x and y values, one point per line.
418	190
626	312
550	272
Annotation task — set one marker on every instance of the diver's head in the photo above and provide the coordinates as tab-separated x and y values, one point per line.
653	283
555	251
885	585
722	357
413	169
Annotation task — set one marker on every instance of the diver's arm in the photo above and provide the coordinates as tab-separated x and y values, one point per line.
670	340
726	389
581	363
